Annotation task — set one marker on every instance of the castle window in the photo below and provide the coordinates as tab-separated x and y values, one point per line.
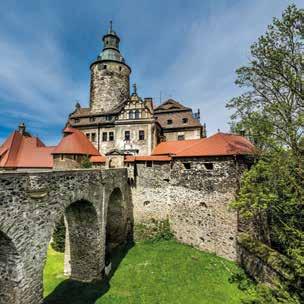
88	135
208	166
185	120
120	68
148	164
109	117
169	121
180	137
187	166
141	135
93	137
137	114
127	135
104	136
76	120
131	115
111	136
104	67
92	119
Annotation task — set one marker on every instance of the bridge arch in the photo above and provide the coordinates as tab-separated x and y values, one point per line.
9	270
83	245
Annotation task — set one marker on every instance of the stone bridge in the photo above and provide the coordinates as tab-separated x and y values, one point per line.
98	213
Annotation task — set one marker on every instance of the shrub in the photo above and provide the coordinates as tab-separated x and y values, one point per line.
58	242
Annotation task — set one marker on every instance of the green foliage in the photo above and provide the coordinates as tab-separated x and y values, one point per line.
271	112
85	163
162	272
153	231
58	240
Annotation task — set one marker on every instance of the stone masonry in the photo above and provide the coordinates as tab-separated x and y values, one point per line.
30	206
110	86
195	200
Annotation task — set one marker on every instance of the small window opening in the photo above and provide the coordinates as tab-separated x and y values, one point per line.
61	156
208	166
104	136
137	114
141	135
149	164
169	121
76	120
93	137
127	135
104	66
185	120
88	135
92	119
120	68
187	166
181	137
111	136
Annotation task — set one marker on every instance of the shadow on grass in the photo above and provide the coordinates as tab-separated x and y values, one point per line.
75	292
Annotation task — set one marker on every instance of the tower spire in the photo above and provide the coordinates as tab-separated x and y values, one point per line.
111	27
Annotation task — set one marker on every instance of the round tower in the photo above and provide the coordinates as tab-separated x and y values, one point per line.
110	82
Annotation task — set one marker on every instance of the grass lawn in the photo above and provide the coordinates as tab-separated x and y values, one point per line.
150	273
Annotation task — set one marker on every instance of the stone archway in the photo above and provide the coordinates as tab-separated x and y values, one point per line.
116	228
83	246
9	278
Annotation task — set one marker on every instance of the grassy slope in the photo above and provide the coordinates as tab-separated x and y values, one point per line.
164	272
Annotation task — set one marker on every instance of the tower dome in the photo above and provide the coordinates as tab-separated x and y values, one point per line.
110	83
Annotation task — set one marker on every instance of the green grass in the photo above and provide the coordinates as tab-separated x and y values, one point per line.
150	273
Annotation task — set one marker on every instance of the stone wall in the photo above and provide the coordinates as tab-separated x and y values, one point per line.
30	206
194	194
188	134
109	87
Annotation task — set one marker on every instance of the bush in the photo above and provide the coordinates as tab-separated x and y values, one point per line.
58	242
153	231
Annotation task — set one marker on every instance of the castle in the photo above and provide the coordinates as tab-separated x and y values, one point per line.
128	124
165	169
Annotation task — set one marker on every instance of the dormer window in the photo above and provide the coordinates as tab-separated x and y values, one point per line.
137	114
185	120
169	121
131	115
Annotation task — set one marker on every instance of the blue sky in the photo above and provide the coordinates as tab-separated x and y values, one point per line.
188	50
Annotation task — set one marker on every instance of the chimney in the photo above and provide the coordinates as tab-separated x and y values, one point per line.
149	102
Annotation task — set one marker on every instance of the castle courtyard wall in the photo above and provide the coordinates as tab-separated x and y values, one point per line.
195	200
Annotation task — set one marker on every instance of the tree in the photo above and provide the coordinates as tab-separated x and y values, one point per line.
271	112
85	163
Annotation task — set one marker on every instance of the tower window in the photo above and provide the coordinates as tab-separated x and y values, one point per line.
127	135
104	67
141	135
180	137
93	137
185	120
120	68
104	136
88	135
111	136
169	121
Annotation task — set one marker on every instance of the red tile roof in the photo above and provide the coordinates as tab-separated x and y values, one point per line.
173	147
75	142
98	159
20	151
219	144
